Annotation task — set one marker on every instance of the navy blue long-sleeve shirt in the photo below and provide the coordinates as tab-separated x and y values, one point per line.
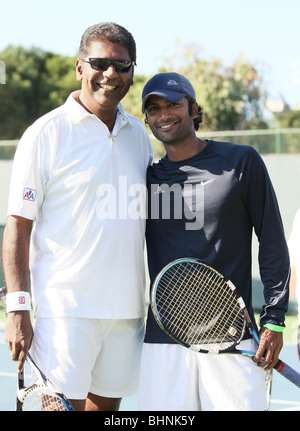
207	207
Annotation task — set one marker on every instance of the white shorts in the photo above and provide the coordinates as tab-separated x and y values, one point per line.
174	378
90	355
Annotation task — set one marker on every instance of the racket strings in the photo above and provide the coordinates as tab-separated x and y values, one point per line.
171	297
198	315
212	310
40	398
223	325
195	314
209	319
177	297
186	290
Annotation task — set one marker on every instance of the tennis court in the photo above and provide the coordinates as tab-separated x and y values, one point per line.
284	171
285	396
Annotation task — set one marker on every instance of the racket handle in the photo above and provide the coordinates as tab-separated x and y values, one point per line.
288	372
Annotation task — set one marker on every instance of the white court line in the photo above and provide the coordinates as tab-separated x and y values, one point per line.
14	375
288	409
4	374
286	402
296	405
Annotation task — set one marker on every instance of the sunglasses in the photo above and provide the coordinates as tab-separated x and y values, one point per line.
102	64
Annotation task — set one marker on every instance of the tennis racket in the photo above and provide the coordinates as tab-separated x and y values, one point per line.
202	310
42	394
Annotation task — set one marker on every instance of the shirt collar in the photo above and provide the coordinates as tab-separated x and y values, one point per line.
78	112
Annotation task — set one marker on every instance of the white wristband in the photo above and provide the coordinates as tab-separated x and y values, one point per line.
17	301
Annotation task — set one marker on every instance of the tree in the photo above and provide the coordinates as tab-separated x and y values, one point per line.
133	100
287	119
232	96
36	82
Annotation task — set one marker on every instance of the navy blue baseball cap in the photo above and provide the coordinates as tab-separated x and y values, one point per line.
171	86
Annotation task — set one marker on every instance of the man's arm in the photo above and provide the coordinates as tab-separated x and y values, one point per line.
273	256
18	329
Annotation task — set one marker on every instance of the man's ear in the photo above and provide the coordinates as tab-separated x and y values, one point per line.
79	72
195	110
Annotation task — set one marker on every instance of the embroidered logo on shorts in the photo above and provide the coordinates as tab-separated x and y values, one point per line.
29	195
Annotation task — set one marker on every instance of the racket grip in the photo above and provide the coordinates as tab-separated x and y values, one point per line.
288	372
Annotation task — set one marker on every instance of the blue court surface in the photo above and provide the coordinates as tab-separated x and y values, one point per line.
285	396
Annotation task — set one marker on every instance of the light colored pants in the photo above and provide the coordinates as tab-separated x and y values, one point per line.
101	356
174	378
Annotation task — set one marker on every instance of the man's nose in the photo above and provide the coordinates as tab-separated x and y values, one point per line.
110	72
165	112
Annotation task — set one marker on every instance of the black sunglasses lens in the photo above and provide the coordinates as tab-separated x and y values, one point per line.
121	66
99	64
102	65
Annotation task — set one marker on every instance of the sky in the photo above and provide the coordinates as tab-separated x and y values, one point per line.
265	31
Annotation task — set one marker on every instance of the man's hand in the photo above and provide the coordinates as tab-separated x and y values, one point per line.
18	334
270	345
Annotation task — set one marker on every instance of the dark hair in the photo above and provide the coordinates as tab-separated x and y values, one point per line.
110	31
197	120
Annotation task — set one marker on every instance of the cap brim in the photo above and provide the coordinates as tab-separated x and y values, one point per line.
172	96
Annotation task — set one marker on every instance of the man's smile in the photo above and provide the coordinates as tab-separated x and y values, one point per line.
106	87
167	126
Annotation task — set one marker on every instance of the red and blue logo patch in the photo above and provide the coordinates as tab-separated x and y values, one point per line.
29	195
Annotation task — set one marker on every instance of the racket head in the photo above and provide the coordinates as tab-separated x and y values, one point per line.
42	394
38	397
198	307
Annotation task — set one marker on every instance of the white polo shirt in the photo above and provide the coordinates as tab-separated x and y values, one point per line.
85	189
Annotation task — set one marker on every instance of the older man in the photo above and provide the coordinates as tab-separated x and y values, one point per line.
87	272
